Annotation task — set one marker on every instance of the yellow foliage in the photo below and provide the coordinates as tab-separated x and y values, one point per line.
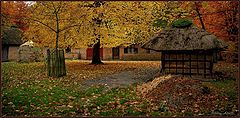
121	22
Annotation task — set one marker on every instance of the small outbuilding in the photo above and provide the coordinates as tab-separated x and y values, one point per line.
187	50
11	40
28	52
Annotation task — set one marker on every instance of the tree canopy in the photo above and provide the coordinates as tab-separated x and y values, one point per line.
122	23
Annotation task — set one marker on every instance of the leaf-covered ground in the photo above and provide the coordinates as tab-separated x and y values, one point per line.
27	91
186	96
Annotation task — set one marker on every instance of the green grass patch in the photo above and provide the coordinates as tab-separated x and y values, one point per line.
28	91
226	88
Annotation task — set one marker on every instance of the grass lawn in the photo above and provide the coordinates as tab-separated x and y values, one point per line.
27	91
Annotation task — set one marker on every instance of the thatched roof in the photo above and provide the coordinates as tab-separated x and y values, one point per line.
11	36
189	38
28	43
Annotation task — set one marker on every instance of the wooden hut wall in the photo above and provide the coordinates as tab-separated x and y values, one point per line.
187	62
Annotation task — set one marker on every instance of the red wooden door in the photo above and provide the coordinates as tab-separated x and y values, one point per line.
90	53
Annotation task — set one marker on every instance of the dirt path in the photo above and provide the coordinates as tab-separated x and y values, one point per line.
124	78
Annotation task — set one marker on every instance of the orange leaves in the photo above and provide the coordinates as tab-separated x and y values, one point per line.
14	13
219	18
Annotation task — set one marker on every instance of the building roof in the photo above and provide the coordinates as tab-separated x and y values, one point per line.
189	38
11	36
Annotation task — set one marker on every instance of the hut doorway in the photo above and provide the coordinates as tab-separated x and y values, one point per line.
4	53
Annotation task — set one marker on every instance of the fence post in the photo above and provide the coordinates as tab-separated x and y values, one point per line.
48	62
60	63
64	66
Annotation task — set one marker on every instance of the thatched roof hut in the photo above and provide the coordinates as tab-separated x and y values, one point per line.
189	38
186	51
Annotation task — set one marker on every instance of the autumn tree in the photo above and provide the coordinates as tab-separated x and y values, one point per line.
12	14
52	24
220	18
125	23
11	19
98	24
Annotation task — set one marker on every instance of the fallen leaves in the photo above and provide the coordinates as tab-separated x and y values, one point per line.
28	84
184	95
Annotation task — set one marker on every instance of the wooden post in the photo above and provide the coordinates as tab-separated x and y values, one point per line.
176	63
53	63
48	62
163	62
190	64
211	65
183	64
169	62
204	64
197	66
60	63
64	66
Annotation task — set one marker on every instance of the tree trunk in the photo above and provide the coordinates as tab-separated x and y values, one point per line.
199	15
96	48
96	53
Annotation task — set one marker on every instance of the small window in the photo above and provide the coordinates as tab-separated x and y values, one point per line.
135	50
68	50
125	50
130	50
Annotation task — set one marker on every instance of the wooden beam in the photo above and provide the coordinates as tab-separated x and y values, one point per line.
190	64
211	66
204	65
197	65
188	60
187	68
169	62
176	63
163	62
183	63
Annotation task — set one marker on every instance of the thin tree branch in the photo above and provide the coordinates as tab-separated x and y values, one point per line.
219	12
68	27
43	24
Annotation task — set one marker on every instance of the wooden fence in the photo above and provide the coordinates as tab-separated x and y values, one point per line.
56	63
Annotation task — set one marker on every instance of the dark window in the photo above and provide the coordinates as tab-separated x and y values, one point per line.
130	50
68	50
125	50
135	50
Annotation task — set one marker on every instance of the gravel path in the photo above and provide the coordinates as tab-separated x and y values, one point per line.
124	78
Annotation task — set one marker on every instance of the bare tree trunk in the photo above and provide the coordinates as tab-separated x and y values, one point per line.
96	53
96	48
200	17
